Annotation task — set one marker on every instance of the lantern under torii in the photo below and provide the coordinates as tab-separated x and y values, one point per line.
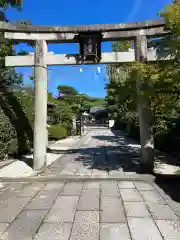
90	46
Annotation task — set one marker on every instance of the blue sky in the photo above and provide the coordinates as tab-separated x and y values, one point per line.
89	80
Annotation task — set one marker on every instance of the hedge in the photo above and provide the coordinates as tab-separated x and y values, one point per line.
57	131
16	123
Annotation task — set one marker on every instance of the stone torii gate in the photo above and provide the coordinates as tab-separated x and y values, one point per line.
42	35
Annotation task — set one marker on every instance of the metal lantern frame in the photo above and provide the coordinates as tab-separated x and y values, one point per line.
90	46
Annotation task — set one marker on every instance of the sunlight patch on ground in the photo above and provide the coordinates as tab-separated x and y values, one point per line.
134	145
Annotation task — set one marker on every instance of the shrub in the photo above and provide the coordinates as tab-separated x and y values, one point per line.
57	132
68	127
16	118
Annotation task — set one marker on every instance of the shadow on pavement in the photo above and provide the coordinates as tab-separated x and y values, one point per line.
124	156
27	160
170	186
107	158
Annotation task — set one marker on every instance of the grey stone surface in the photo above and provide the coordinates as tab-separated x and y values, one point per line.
3	227
67	172
91	185
116	173
152	196
130	195
109	189
82	171
43	200
144	186
89	200
86	226
12	209
126	184
169	229
17	186
175	206
161	211
24	226
63	209
114	231
73	189
99	173
143	229
30	191
13	190
136	209
112	210
51	186
54	231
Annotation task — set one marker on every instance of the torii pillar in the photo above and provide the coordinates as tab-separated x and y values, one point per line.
144	111
40	122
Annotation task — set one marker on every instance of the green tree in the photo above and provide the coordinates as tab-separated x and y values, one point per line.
163	83
8	76
66	91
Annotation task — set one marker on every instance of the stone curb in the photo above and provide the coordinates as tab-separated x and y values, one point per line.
77	179
4	164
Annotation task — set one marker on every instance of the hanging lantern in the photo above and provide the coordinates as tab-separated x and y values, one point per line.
90	47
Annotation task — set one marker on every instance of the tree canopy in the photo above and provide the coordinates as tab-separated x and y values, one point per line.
162	79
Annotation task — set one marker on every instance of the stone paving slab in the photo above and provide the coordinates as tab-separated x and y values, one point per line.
31	190
114	231
144	229
63	210
161	211
89	200
88	214
112	210
86	226
25	225
109	189
126	185
91	185
12	209
130	195
43	200
81	171
169	229
152	196
136	209
52	186
54	231
143	186
73	189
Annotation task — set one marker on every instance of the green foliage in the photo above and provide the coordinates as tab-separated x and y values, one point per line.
65	91
160	83
16	122
122	46
57	132
171	14
4	4
74	102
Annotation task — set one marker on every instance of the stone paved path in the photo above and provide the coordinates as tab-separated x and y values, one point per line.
99	154
91	210
111	210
